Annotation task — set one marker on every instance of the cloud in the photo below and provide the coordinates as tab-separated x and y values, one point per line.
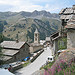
27	8
31	5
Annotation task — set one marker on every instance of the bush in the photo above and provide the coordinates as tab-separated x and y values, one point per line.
62	69
62	43
47	66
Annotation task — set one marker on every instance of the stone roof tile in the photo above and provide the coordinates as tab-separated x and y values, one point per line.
9	52
71	22
12	44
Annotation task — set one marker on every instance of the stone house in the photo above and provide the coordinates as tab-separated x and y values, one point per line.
71	32
66	14
14	51
54	41
67	17
36	46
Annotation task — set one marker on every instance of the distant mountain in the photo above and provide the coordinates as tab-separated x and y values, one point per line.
35	14
2	23
24	24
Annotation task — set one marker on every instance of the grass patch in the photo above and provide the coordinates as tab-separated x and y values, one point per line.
47	66
62	68
62	43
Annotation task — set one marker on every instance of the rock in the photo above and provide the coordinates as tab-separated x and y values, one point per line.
67	56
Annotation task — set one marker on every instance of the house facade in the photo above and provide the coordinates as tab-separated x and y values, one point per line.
14	51
54	41
67	17
71	32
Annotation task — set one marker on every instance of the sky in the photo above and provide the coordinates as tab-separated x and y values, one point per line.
53	6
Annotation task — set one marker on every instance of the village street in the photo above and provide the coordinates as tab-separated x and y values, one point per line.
41	60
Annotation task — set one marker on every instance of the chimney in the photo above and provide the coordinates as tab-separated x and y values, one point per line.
17	38
73	7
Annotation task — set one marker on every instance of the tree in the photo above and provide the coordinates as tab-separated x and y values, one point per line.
0	50
1	37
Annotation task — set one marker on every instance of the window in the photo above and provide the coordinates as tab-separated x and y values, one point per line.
15	57
35	39
35	35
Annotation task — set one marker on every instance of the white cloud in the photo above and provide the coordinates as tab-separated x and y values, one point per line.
24	4
20	5
9	2
31	5
51	8
27	8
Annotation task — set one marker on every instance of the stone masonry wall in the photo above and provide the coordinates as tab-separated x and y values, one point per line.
71	39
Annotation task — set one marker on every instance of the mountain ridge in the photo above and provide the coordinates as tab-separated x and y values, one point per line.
24	24
33	14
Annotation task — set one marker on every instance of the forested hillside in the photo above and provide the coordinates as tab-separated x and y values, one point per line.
25	23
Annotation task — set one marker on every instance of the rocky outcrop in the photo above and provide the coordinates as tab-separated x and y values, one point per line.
67	56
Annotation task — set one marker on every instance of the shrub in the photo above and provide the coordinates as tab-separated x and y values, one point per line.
62	69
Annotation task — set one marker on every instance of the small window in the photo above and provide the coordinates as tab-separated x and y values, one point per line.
35	35
35	39
15	57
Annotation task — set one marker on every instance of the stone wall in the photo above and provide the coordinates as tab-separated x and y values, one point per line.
31	49
23	53
36	38
71	39
35	48
54	47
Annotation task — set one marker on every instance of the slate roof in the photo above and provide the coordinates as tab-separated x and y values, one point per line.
12	44
65	16
67	12
4	58
9	52
71	22
36	31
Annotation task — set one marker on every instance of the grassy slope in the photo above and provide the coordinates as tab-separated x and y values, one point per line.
17	23
26	26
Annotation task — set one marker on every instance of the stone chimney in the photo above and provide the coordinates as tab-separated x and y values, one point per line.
17	38
73	7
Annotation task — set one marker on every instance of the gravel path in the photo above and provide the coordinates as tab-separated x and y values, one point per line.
41	60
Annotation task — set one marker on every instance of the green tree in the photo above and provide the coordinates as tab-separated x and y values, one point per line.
0	51
1	37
